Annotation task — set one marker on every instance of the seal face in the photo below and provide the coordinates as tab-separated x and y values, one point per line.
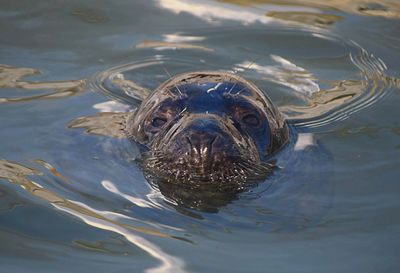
208	128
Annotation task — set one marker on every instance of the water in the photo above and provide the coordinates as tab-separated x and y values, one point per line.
72	198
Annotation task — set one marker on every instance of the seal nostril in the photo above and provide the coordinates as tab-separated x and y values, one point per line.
201	142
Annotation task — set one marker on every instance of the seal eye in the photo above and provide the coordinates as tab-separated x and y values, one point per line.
251	119
158	122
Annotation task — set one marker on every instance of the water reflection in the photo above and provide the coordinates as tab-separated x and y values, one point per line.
162	45
313	101
266	11
319	101
308	18
210	11
8	201
90	15
106	124
286	73
11	77
348	96
384	8
318	76
190	201
106	220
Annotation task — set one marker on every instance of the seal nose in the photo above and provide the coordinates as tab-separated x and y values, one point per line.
204	138
201	143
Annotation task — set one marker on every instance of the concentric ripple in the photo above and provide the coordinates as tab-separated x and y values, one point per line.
349	96
312	90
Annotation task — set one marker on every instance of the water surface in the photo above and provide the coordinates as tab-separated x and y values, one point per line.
72	198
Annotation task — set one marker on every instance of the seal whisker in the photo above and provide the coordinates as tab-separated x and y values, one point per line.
170	76
183	111
233	86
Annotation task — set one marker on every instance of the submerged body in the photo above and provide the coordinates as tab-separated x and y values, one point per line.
208	129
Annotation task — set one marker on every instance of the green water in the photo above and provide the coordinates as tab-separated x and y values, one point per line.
72	199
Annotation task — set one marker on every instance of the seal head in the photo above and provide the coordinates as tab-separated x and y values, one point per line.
208	127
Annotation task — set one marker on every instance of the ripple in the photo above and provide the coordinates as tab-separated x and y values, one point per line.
347	97
311	89
163	45
316	80
315	77
106	220
384	8
112	82
11	77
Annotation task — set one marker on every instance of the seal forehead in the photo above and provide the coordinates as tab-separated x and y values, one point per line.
211	88
214	83
208	96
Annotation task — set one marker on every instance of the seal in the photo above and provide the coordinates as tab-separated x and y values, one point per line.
207	129
204	138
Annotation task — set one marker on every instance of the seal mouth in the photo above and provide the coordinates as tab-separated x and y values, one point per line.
227	174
